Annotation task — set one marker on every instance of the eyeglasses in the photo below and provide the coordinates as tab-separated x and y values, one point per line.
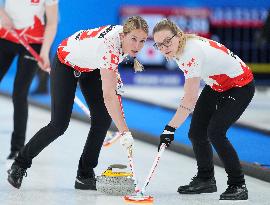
166	43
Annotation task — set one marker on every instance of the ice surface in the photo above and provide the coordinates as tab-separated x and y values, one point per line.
51	178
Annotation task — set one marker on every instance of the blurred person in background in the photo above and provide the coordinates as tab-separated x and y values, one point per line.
90	57
26	18
228	91
42	87
264	35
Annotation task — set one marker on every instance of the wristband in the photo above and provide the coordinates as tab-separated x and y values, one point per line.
169	128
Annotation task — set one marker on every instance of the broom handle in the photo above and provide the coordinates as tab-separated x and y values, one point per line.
27	46
153	168
131	165
39	59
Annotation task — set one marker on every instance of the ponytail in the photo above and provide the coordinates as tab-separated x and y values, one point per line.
138	67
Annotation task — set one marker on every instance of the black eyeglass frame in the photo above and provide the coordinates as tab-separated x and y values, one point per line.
163	44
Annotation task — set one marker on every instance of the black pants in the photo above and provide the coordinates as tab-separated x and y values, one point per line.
213	115
26	68
42	84
63	87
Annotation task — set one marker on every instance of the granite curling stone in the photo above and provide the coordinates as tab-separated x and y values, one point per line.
115	183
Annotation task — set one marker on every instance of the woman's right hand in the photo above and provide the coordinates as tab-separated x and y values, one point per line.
126	140
45	64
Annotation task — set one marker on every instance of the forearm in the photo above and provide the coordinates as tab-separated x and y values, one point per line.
50	28
183	111
5	20
191	90
49	35
3	13
114	109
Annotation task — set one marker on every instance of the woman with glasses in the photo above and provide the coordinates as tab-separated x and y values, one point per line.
90	57
228	91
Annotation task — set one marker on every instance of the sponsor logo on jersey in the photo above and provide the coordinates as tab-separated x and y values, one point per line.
107	30
114	59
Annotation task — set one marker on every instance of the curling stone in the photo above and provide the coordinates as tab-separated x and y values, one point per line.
118	183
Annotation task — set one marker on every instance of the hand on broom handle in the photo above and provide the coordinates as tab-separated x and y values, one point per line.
39	59
29	49
139	197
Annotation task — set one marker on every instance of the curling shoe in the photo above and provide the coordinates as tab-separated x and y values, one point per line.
198	186
15	175
86	183
235	193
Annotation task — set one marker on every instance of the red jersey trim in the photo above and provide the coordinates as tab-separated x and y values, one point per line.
225	82
32	35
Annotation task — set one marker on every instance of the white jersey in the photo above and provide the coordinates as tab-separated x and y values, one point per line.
213	63
98	48
27	17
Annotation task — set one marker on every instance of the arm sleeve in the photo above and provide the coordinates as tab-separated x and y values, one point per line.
191	63
50	2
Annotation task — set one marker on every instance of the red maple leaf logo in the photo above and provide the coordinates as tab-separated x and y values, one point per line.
114	59
189	64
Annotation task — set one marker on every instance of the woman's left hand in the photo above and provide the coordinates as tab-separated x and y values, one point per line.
167	136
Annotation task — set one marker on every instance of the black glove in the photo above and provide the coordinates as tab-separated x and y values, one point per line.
167	136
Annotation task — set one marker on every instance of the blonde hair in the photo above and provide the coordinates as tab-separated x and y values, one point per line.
166	24
133	23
